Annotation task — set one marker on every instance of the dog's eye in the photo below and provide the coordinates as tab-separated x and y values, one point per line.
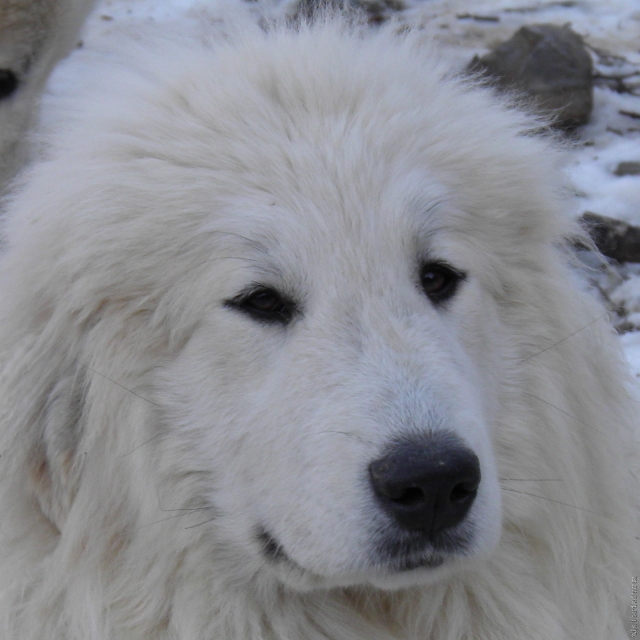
264	304
8	83
439	281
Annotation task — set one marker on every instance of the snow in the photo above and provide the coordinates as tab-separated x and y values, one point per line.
463	28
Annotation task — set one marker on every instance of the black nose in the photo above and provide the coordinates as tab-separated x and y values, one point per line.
427	484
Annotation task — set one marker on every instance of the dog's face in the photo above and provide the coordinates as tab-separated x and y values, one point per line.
333	387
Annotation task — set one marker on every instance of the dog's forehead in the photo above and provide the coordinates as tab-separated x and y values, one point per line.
331	183
401	220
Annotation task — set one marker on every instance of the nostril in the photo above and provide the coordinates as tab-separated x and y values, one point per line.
461	492
413	496
8	83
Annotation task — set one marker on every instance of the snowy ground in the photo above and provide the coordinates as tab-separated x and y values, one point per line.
611	28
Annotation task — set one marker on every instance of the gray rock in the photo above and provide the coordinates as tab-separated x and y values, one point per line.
549	64
628	169
614	238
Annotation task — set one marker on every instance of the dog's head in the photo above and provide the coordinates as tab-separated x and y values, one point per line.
283	277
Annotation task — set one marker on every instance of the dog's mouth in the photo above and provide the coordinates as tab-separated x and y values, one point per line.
424	562
273	551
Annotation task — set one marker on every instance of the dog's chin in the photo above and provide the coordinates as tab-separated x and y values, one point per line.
412	573
415	574
399	573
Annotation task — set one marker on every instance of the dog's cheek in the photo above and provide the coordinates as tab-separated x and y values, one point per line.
53	471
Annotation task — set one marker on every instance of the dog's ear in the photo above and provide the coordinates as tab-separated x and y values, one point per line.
54	464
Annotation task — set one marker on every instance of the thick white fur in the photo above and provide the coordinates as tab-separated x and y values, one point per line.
147	429
34	35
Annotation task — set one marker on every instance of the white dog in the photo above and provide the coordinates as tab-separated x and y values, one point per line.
34	35
290	351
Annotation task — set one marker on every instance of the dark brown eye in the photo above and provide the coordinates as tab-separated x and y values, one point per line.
439	281
8	83
265	305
